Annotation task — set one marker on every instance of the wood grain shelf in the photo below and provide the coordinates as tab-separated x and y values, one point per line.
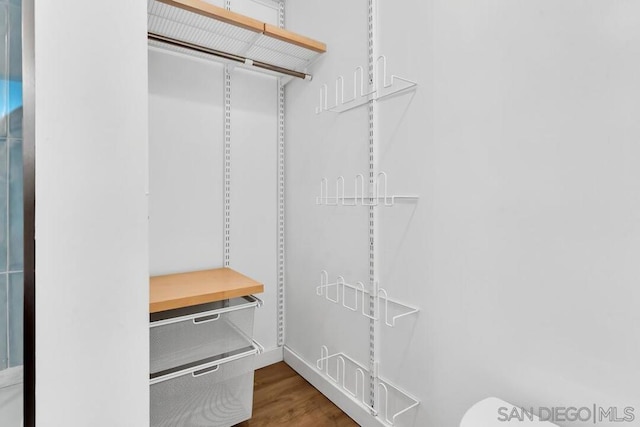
198	287
293	38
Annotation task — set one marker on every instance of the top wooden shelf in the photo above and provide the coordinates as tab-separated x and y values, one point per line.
198	287
205	28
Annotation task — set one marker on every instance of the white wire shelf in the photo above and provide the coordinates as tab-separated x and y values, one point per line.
207	31
349	376
356	298
383	86
376	193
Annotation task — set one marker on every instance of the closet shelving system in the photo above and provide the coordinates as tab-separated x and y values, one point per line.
364	385
201	29
201	323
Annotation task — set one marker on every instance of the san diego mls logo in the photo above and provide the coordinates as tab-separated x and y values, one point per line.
493	412
563	414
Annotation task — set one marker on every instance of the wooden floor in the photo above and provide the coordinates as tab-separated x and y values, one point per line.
283	398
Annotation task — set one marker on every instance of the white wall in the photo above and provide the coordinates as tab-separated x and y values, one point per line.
186	122
254	238
92	358
319	238
521	141
185	163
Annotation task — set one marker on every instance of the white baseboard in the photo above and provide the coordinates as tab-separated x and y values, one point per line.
341	400
269	357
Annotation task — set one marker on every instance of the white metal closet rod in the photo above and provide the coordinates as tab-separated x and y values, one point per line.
227	56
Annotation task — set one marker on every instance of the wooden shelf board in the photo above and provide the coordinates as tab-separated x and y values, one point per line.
198	287
293	38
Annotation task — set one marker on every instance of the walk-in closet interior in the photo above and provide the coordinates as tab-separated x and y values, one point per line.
423	207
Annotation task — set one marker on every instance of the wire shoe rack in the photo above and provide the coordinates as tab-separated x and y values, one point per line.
360	383
355	297
362	93
375	194
351	377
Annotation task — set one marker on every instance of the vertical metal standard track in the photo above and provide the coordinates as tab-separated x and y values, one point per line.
227	159
227	166
281	201
373	275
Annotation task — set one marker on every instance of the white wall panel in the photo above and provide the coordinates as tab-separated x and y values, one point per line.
92	360
262	10
522	142
254	191
328	145
186	158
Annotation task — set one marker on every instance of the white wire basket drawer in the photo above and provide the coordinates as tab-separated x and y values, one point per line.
184	336
216	393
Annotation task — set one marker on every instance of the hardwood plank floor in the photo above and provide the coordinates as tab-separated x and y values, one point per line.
283	398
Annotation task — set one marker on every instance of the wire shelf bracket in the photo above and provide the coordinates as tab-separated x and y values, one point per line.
390	401
337	293
362	92
375	194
